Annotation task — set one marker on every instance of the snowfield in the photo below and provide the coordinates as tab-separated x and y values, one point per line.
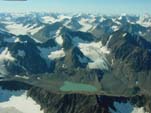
58	37
51	19
5	55
56	54
20	29
97	53
85	25
48	19
9	110
17	102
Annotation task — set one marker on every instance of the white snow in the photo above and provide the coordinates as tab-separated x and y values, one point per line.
116	21
126	108
123	15
62	17
51	53
107	43
115	28
59	38
56	54
144	20
17	40
45	52
16	28
51	19
124	34
145	24
48	19
23	77
17	101
140	33
21	53
9	110
76	40
14	39
35	30
85	25
97	53
19	14
102	19
5	55
38	78
19	29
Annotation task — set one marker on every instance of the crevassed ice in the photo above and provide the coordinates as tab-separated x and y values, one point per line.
97	53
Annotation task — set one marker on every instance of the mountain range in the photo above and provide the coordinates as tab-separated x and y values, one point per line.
109	57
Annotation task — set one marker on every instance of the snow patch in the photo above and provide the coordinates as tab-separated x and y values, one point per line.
76	40
45	52
17	101
16	28
9	110
5	55
48	19
85	25
115	28
62	17
17	40
23	77
116	21
107	43
56	54
59	40
145	21
124	34
19	29
97	53
32	31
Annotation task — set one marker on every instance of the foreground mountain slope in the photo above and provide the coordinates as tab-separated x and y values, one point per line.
76	103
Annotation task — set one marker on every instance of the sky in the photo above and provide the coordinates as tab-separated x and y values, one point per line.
78	6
